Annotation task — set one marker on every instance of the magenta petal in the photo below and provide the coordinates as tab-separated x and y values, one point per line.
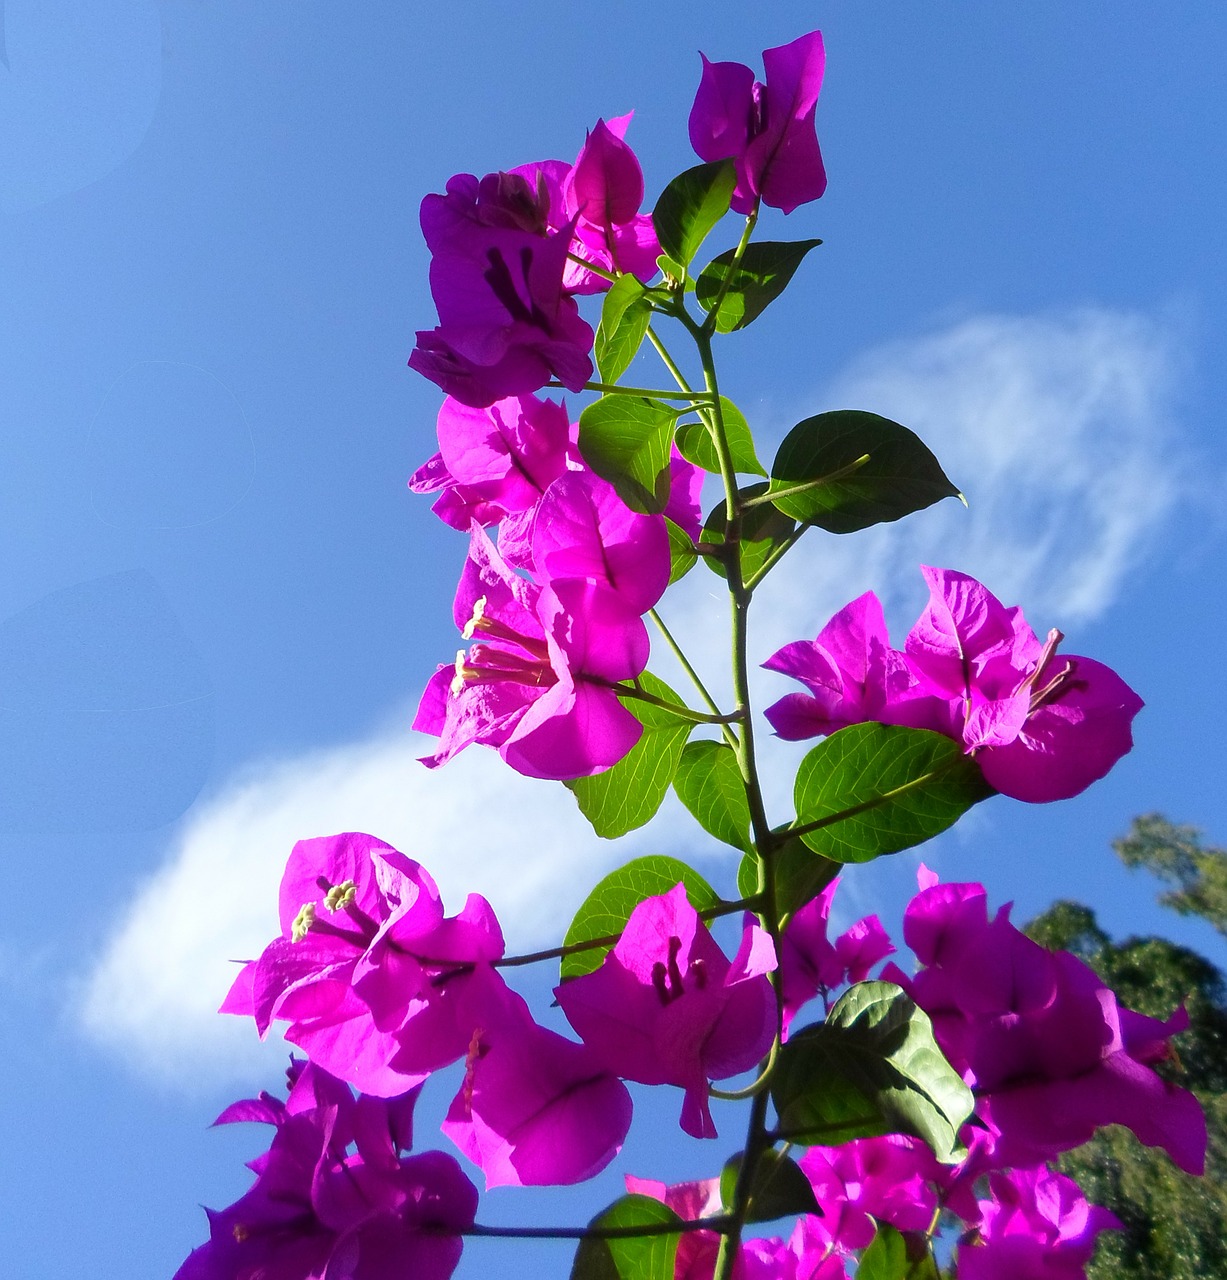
535	1108
605	186
720	117
585	531
1070	742
787	161
572	731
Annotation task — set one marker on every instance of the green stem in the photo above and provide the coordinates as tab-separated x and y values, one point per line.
776	556
678	376
805	828
682	712
609	940
729	736
756	1132
605	274
709	324
617	389
756	1086
805	486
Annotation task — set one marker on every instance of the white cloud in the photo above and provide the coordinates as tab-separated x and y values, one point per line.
1055	426
153	994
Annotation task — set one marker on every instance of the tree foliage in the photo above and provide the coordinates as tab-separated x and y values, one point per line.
1175	1224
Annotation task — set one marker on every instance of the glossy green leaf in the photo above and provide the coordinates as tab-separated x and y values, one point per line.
763	274
605	911
695	444
873	1067
779	1189
630	1257
885	1257
880	788
895	1255
626	796
681	552
626	440
625	314
763	529
709	783
690	206
898	475
800	876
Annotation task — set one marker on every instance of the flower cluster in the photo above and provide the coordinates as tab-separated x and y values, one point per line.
335	1194
382	990
1042	725
541	683
952	1087
510	251
1046	1047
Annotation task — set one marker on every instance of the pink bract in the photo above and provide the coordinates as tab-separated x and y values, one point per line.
506	325
1050	1053
354	972
667	1007
535	1109
768	130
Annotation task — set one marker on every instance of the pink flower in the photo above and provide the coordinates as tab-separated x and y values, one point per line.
506	325
811	965
1041	1040
870	1180
535	1109
496	462
317	1208
1042	726
768	130
367	972
1037	1226
850	670
667	1007
596	201
538	685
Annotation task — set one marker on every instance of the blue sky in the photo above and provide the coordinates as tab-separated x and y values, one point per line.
220	602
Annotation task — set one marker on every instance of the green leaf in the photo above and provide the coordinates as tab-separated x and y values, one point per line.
608	907
762	530
886	1256
873	1067
625	314
709	783
899	474
779	1189
626	439
765	269
896	1255
626	796
690	206
681	552
631	1257
695	444
880	788
800	876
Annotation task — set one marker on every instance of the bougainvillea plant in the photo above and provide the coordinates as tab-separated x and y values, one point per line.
880	1112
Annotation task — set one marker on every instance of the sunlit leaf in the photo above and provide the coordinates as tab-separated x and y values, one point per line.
872	1067
765	269
608	907
709	783
872	471
626	796
690	206
880	788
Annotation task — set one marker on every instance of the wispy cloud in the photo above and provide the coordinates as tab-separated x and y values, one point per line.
153	994
1057	428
